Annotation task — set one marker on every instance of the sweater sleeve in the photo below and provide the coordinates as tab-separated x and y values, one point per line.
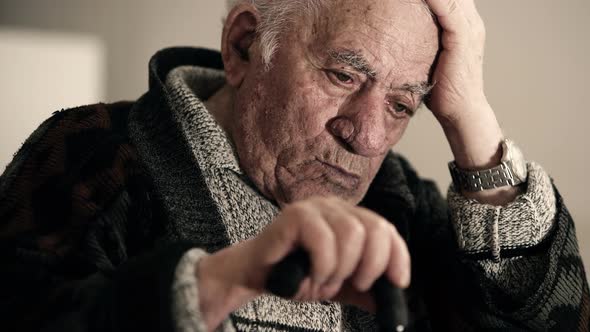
511	268
185	302
524	223
78	248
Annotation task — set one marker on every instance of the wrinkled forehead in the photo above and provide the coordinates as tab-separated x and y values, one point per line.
382	6
404	30
398	20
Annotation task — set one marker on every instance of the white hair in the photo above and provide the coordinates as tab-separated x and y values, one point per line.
276	16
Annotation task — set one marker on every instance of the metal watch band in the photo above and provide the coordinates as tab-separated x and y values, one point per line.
496	177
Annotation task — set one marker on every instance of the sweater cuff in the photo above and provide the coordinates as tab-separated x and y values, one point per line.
185	296
524	223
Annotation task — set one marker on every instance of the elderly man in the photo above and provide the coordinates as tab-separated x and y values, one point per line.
169	212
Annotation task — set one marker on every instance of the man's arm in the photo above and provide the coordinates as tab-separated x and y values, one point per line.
458	99
535	283
77	232
516	264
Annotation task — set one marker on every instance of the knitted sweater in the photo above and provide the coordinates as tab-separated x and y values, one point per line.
106	208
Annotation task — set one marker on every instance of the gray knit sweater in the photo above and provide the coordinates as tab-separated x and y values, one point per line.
478	227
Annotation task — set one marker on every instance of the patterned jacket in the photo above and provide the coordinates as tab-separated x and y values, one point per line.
102	202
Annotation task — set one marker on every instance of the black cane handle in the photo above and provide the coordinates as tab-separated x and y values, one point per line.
392	310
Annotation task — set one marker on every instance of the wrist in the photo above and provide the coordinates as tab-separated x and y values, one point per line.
219	292
475	138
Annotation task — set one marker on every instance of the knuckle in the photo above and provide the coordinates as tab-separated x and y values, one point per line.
321	202
393	229
293	208
318	239
351	245
381	226
281	234
352	229
321	241
298	211
451	6
316	200
332	199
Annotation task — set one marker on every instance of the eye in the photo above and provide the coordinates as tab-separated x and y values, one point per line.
342	77
400	110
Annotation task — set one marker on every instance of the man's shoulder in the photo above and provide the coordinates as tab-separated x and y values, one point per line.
78	167
92	123
91	134
111	116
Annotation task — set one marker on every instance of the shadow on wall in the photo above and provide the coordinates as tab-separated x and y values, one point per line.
43	72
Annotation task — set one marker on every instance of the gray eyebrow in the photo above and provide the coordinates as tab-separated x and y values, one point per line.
354	60
421	89
357	61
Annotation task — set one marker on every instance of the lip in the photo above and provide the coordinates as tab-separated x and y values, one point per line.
340	170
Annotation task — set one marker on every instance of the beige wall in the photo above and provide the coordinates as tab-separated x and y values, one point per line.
536	72
31	60
132	30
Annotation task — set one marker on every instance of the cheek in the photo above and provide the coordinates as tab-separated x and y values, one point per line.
395	130
296	113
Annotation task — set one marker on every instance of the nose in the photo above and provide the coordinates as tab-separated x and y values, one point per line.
361	126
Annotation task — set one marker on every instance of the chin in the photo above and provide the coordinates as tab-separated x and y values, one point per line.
297	193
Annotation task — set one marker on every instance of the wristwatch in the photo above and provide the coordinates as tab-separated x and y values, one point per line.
511	172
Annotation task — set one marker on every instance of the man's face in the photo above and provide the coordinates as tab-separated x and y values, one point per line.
339	95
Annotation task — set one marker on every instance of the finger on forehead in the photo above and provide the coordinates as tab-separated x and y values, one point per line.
442	8
447	7
450	14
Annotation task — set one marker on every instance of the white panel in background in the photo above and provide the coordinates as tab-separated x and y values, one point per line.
41	72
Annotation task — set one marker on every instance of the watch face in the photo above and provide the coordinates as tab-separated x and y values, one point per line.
513	154
522	171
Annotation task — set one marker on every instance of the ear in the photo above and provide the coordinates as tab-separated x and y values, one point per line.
239	34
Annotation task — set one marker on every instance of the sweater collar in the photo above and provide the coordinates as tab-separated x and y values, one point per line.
167	59
188	88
